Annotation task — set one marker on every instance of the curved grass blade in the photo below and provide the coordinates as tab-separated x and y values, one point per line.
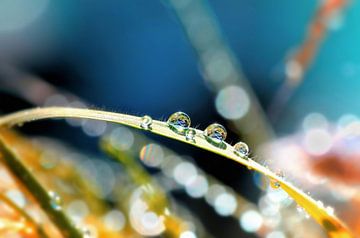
333	226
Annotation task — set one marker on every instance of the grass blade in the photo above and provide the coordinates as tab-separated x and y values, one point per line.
329	222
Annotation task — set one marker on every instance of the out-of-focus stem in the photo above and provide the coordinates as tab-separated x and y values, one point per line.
215	55
300	61
40	194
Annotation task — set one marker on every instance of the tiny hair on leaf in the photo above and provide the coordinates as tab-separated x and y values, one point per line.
331	224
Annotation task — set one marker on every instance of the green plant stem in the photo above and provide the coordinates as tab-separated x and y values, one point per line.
329	222
40	194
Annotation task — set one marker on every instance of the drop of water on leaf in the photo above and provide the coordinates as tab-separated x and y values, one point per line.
241	149
215	134
179	122
190	135
275	183
56	201
146	122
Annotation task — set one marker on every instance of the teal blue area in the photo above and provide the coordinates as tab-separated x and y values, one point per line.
332	84
263	34
135	55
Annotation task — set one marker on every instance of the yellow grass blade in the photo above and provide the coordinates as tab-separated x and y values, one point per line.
333	226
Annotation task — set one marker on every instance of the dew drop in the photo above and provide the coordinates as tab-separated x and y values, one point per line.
146	122
56	201
190	135
215	134
241	149
179	122
275	183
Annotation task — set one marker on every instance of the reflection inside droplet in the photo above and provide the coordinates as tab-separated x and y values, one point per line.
179	122
215	134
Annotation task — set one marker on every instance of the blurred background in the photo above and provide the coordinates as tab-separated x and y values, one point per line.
281	76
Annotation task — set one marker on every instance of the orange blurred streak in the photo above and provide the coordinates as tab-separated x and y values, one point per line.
22	228
345	172
317	29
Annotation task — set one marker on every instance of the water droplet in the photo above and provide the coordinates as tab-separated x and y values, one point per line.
274	183
56	201
215	134
190	135
179	122
241	149
146	122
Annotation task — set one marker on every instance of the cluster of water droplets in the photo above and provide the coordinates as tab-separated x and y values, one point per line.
215	134
180	122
